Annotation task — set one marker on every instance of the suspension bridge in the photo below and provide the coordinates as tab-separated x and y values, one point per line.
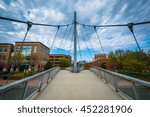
95	83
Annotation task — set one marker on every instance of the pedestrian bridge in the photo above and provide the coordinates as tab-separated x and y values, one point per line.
93	84
83	85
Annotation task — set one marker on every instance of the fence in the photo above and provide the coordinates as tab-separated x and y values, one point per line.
130	87
27	87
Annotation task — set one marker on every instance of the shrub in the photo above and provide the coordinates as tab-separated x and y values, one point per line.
48	65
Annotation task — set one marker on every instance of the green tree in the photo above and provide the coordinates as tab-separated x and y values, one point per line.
64	62
148	59
17	59
129	60
103	65
2	64
118	57
48	65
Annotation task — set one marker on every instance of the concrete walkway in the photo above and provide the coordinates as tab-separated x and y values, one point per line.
77	86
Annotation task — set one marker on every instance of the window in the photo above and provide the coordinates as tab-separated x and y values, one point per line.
1	49
5	49
41	50
12	49
35	49
26	50
47	51
18	48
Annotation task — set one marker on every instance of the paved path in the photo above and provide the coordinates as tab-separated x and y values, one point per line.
77	86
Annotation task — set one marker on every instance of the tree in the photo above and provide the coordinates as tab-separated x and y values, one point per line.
2	64
17	59
148	59
118	57
48	65
64	62
129	60
103	65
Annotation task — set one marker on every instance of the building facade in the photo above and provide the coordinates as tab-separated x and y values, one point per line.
35	54
100	60
54	58
6	50
100	56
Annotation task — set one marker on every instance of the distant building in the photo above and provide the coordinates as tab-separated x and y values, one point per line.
6	50
100	60
100	56
54	58
35	54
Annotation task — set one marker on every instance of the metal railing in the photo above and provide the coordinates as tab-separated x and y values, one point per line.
27	87
131	88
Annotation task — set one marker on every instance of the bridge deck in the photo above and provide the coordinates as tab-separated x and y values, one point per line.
77	86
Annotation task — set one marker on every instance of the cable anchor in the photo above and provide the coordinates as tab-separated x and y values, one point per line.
29	24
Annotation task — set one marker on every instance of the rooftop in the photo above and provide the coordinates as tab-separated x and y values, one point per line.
35	42
59	55
6	44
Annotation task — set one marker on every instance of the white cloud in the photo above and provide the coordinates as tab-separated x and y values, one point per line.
2	6
89	12
123	8
89	7
115	38
45	15
94	10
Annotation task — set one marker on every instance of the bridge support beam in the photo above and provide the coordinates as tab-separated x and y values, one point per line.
75	68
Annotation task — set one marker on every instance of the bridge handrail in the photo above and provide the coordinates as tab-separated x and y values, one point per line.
145	83
130	87
13	84
27	79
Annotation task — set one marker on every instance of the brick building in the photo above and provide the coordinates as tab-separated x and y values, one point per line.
35	54
100	60
54	58
6	50
100	56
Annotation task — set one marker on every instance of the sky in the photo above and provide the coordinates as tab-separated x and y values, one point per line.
92	12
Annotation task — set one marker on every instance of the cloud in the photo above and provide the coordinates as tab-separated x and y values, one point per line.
46	15
96	12
2	6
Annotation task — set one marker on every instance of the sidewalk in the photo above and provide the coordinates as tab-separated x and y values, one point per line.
77	86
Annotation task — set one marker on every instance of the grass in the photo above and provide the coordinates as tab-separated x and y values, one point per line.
20	75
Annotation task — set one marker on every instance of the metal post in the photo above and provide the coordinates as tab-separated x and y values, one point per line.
115	82
105	77
25	90
41	81
75	44
135	91
49	77
100	72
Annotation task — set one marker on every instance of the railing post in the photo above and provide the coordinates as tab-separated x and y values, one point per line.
41	81
48	76
135	91
105	77
115	83
52	75
96	72
100	73
54	71
25	90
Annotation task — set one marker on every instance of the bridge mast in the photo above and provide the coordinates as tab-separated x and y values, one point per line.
75	44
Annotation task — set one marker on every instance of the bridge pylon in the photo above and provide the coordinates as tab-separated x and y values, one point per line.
75	68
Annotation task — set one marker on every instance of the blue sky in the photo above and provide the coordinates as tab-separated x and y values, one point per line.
95	12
